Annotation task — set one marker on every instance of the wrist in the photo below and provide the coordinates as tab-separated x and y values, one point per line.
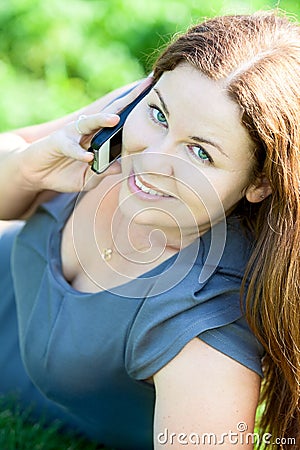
22	157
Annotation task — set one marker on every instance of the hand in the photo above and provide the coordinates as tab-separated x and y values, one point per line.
60	161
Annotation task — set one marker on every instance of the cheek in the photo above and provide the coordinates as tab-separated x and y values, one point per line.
212	191
198	185
231	191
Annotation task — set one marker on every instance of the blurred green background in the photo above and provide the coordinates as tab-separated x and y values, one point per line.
56	55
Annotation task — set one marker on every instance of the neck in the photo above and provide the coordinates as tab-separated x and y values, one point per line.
134	237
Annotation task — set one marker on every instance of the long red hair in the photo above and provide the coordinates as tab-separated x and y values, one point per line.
258	56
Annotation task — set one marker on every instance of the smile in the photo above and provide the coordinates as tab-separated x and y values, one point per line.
147	189
147	192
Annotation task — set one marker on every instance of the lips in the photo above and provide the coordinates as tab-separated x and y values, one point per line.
144	189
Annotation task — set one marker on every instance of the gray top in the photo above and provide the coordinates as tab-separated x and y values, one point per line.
90	352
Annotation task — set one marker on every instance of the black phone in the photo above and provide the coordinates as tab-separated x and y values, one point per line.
106	144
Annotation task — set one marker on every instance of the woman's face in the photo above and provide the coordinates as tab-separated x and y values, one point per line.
186	157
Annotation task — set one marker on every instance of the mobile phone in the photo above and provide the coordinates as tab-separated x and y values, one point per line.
106	144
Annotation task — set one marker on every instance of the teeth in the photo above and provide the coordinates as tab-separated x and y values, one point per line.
148	190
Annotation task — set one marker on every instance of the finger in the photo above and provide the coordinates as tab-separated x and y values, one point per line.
72	149
85	125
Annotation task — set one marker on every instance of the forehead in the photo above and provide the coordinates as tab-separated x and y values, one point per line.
199	104
197	92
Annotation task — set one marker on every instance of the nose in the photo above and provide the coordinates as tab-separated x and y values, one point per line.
159	157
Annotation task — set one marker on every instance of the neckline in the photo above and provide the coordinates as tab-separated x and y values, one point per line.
143	283
62	215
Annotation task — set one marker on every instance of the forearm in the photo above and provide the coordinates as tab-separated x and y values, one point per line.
23	149
16	196
34	132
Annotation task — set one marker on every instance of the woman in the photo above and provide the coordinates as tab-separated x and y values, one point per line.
128	294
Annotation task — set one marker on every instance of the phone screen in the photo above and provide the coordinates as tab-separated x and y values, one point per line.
115	145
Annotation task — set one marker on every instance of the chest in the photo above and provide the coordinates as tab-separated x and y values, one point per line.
97	256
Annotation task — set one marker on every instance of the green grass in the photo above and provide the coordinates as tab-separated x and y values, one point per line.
19	432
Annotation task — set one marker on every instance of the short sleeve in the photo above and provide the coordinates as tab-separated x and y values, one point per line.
238	342
211	311
164	325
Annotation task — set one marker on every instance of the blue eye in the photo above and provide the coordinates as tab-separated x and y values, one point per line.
160	117
157	115
200	153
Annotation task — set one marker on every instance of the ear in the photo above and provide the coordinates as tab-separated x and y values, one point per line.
259	190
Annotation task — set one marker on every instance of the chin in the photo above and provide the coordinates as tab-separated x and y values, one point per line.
142	217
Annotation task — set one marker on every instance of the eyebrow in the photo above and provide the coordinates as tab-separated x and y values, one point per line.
194	138
163	104
207	141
